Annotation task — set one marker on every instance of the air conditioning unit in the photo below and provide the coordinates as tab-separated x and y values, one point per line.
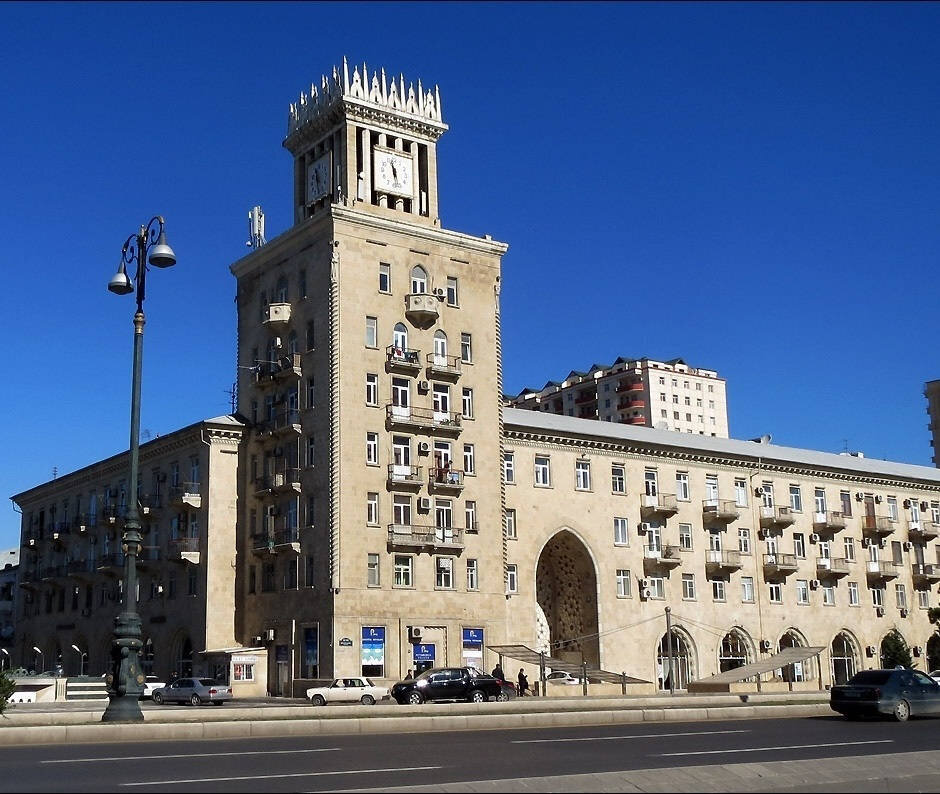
642	583
646	594
814	584
269	635
907	503
758	492
880	611
414	633
424	503
924	506
918	650
765	645
908	545
439	292
903	612
423	385
763	534
643	527
424	447
866	542
883	543
877	500
871	650
814	538
256	640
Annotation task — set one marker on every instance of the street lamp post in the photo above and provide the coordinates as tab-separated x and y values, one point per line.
6	653
41	657
81	659
125	681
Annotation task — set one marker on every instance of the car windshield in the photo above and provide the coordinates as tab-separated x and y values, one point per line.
368	682
871	677
428	673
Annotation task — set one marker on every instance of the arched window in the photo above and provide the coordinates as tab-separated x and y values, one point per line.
184	658
146	657
798	671
281	292
440	349
400	340
682	663
419	280
733	652
842	655
933	652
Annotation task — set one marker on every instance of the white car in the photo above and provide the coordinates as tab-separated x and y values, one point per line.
347	690
151	682
561	677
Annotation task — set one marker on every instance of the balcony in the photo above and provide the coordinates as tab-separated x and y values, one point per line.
922	531
831	566
925	573
631	403
183	550
636	420
30	578
111	564
720	561
780	564
282	481
148	558
285	423
776	517
587	412
54	572
278	541
663	504
876	526
424	538
288	368
404	416
447	367
586	397
445	479
422	309
828	521
109	515
628	385
185	494
149	504
275	315
882	569
86	570
404	476
720	511
402	359
656	556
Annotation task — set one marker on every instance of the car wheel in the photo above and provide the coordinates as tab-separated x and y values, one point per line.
415	699
367	700
902	711
196	700
502	697
318	700
158	698
476	696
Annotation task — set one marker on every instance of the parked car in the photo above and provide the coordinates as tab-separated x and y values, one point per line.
347	690
151	683
561	677
193	690
449	683
899	693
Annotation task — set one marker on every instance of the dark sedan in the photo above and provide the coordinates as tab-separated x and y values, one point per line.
896	693
449	683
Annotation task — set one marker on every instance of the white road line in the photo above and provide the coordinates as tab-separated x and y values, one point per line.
628	736
186	755
291	774
784	747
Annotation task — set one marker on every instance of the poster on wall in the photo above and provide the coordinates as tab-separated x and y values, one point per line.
373	650
311	651
473	648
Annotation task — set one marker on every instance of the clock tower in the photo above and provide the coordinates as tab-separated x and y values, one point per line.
366	140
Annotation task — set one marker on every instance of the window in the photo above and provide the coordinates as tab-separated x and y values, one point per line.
688	586
403	570
470	514
509	467
311	451
466	403
685	537
469	465
878	596
385	277
290	574
718	590
372	449
444	573
819	500
372	508
243	671
466	350
618	479
621	533
744	541
623	583
849	545
740	492
509	522
311	393
582	475
802	591
441	402
845	498
796	499
310	577
311	336
923	599
711	490
542	471
512	579
657	587
900	594
799	546
419	280
372	389
372	332
893	508
650	482
767	494
853	594
473	580
682	486
401	510
252	579
829	595
747	589
776	593
452	291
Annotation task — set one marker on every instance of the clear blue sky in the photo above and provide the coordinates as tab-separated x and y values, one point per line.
753	188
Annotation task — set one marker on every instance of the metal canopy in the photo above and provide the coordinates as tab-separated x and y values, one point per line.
525	654
785	657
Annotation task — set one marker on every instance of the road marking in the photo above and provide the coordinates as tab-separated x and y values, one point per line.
185	755
786	747
291	774
629	736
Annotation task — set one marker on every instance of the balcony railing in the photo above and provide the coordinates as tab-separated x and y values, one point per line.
287	479
828	521
444	366
183	550
780	563
445	421
278	540
722	511
629	403
658	555
877	525
186	494
83	569
664	504
776	517
112	564
922	530
424	537
148	557
716	560
288	367
832	566
626	385
444	479
284	423
149	503
403	359
585	397
925	572
882	569
400	474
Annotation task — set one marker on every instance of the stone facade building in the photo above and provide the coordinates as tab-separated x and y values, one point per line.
932	393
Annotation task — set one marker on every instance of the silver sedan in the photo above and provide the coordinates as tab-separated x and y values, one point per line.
193	690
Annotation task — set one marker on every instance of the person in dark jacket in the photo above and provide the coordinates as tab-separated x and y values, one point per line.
523	683
498	673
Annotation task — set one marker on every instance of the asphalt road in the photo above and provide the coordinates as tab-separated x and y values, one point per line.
332	763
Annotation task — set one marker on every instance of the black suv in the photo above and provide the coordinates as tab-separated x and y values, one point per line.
449	683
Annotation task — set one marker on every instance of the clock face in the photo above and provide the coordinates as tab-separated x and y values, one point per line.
393	173
318	178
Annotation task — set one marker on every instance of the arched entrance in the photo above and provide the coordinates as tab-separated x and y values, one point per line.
566	591
146	657
933	653
183	659
733	652
798	671
894	650
683	662
843	657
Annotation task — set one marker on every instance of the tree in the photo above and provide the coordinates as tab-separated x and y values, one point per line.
7	687
894	651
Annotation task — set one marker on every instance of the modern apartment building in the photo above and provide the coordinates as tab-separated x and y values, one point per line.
374	508
667	395
932	393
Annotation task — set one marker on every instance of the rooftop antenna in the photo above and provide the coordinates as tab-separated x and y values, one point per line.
55	472
255	228
233	395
